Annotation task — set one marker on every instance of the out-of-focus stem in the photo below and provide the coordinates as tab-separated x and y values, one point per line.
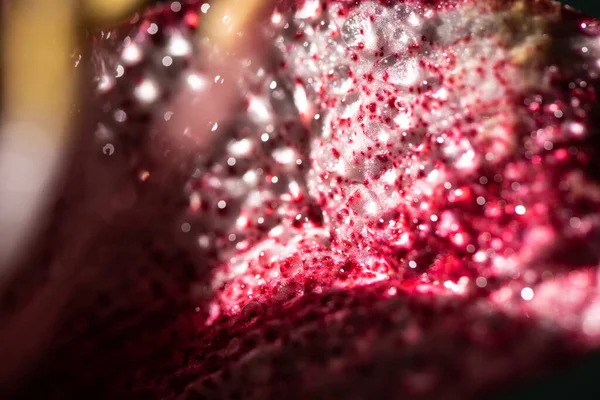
38	87
38	82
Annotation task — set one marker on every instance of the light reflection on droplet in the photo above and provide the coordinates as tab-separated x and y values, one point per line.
479	257
250	178
276	18
108	149
258	107
520	209
152	29
131	54
240	147
120	71
167	61
195	82
147	91
204	241
527	293
144	175
105	83
179	46
577	128
285	155
294	189
175	6
120	115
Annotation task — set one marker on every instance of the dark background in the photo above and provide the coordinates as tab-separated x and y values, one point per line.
590	7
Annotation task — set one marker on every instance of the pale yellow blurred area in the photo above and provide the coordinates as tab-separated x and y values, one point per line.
109	10
227	18
37	69
39	36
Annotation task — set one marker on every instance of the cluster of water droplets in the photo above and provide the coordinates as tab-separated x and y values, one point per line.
379	142
411	113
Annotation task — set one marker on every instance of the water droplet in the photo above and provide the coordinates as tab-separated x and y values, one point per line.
405	14
108	149
363	201
146	91
153	29
520	210
341	82
350	105
590	27
358	31
308	9
167	61
284	155
175	6
376	132
401	35
196	82
131	54
397	70
179	46
527	293
120	116
105	83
